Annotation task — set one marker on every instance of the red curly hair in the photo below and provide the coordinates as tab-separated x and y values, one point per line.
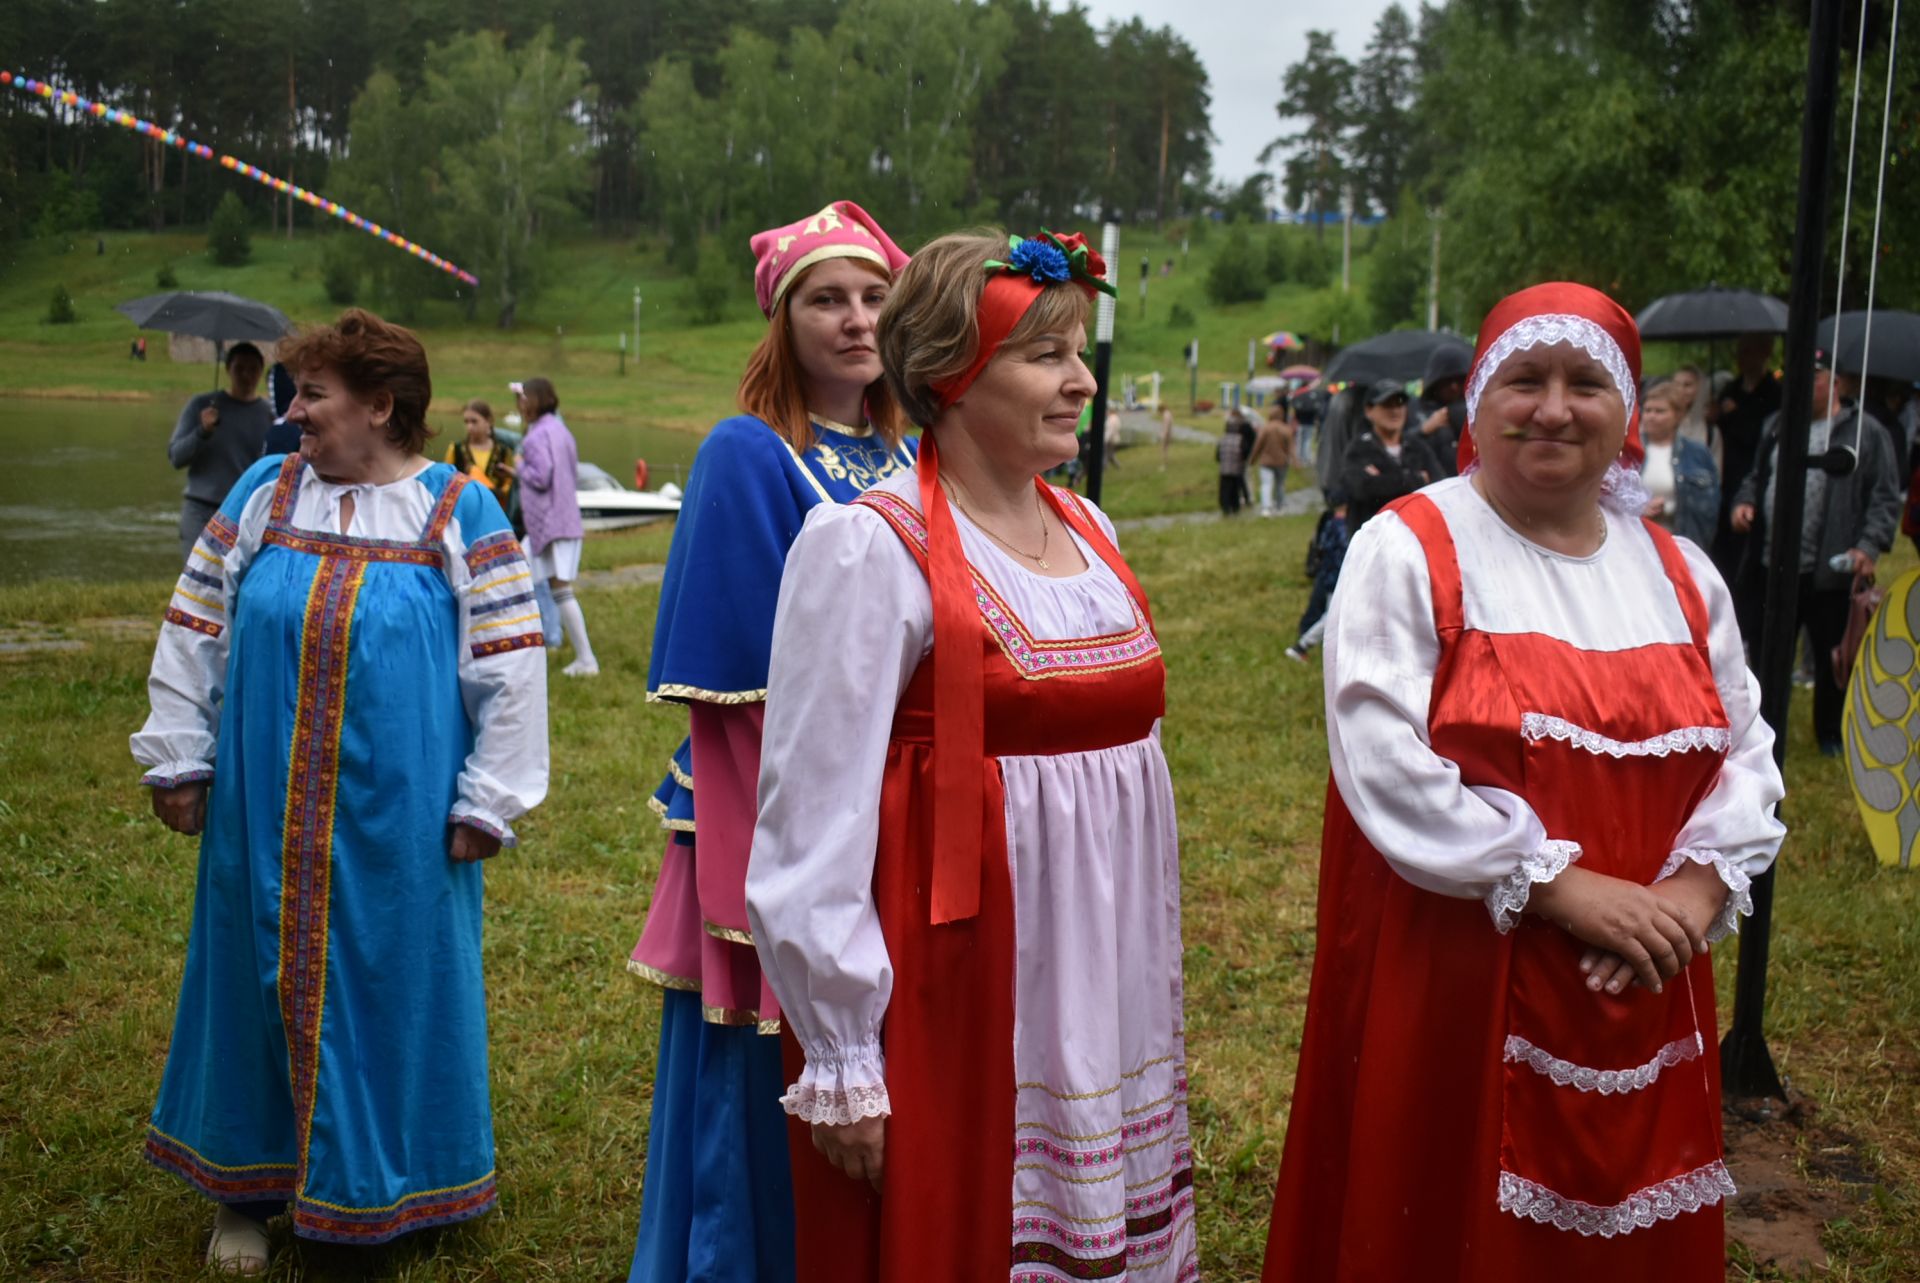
371	356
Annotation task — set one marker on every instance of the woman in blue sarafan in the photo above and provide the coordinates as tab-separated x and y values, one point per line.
819	427
349	702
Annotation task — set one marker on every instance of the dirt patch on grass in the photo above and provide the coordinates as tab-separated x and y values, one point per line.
1795	1174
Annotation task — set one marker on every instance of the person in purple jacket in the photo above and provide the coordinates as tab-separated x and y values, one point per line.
549	467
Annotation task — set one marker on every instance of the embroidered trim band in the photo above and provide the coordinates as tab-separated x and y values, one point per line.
1702	1187
1608	1082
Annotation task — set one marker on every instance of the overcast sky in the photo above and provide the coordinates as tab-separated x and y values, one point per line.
1246	45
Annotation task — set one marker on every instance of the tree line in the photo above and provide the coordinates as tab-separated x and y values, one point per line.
481	128
1641	148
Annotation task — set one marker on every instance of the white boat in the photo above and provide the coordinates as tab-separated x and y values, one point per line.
605	504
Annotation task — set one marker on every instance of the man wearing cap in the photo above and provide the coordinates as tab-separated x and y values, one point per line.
1849	520
219	436
1383	462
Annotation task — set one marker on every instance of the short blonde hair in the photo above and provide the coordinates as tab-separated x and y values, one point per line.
1669	391
929	330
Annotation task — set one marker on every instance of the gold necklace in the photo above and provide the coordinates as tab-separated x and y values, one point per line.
1046	530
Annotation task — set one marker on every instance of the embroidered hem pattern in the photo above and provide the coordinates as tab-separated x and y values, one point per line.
1607	1082
1688	1192
1153	1222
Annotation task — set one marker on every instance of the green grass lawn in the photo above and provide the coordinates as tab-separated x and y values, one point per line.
96	899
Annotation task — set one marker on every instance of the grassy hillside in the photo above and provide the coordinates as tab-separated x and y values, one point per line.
685	374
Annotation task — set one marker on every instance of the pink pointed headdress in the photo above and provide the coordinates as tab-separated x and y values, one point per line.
841	230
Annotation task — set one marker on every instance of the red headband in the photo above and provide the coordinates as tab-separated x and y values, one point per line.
1031	266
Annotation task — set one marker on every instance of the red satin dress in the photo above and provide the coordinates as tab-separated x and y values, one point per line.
1466	1110
945	1212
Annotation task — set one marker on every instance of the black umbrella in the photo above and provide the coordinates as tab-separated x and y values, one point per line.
1712	313
208	314
1895	339
1399	354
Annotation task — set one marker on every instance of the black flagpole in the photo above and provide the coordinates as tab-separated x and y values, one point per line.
1746	1066
1102	365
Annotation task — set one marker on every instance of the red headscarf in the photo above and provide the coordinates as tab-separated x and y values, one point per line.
1559	312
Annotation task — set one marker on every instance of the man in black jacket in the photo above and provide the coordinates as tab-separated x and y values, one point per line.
1384	462
1850	519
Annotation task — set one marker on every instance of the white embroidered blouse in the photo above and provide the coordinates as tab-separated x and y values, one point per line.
505	692
1487	843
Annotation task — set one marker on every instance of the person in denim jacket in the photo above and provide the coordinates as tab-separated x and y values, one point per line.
1678	471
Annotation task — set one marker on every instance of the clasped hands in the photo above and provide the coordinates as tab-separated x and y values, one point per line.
1643	933
183	808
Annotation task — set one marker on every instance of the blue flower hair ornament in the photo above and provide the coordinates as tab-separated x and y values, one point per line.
1047	259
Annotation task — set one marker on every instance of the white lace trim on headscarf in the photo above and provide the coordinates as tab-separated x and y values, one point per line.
1544	331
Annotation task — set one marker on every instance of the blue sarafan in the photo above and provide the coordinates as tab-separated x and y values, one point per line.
330	1049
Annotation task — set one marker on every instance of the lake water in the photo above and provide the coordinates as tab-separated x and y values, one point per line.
87	492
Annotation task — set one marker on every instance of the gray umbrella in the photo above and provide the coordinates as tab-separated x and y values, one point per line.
1895	339
207	314
1713	313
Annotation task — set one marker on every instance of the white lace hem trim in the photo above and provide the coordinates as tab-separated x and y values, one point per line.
1508	899
1545	331
1686	739
1607	1082
1739	888
1702	1187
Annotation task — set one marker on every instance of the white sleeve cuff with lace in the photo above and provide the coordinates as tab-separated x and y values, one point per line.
841	1088
1739	888
1508	899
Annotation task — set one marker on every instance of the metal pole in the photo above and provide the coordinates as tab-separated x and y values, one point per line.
636	325
1433	276
1746	1066
1103	362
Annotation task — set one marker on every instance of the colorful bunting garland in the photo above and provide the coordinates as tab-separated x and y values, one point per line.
100	111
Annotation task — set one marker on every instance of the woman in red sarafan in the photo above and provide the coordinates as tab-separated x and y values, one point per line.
1551	787
964	884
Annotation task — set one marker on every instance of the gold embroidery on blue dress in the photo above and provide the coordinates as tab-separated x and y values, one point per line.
862	474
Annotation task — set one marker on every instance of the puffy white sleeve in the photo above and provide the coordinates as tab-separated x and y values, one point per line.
503	683
1436	832
1734	828
187	681
853	622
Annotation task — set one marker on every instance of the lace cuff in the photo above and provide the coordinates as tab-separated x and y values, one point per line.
840	1089
1509	895
1739	888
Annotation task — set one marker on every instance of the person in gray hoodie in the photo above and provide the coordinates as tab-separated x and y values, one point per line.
219	436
